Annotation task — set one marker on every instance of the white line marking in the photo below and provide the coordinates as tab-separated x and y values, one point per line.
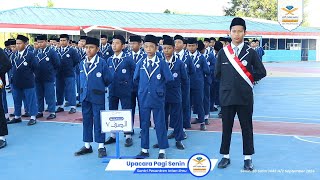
301	139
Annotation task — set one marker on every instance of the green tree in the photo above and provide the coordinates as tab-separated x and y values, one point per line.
50	4
167	11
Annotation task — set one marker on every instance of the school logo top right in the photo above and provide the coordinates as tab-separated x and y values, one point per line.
290	13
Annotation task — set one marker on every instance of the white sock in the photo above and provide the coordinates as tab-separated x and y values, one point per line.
128	136
206	116
113	135
144	150
162	151
87	145
61	106
33	117
101	145
226	156
16	117
215	106
246	157
2	138
6	115
197	116
184	129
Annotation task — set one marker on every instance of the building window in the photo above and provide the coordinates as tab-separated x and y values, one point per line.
288	43
281	44
265	44
273	44
312	44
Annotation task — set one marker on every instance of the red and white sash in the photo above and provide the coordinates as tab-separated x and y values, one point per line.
236	63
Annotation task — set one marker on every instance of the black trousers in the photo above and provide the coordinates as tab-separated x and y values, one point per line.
3	121
244	113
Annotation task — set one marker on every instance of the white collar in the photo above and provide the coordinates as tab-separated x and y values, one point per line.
153	59
92	59
193	54
240	46
119	55
133	53
181	53
21	52
170	60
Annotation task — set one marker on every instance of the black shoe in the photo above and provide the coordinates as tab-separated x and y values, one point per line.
39	115
156	146
47	110
32	122
179	145
203	127
11	115
185	136
60	109
195	121
171	135
102	152
72	111
220	115
78	105
14	120
206	122
224	163
3	144
248	166
26	115
162	156
110	140
142	155
51	116
66	104
129	142
83	151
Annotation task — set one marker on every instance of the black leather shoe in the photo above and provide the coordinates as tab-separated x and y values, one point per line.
72	111
142	155
110	140
11	115
162	156
102	152
195	121
248	166
14	120
78	105
39	115
83	151
180	145
155	146
60	109
32	122
3	144
224	163
129	142
185	136
26	115
171	135
206	122
46	110
51	116
203	127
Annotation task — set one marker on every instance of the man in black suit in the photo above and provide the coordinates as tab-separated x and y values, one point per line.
234	69
5	65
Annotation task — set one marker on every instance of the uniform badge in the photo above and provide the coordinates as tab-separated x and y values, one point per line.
175	75
25	63
107	53
98	74
124	71
159	76
198	65
68	55
208	63
244	62
47	59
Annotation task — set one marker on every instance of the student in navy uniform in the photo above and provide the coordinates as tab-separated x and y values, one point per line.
197	81
259	49
94	77
122	68
7	51
211	44
208	80
66	75
234	68
23	82
137	55
152	74
5	65
181	54
105	48
48	63
173	99
82	53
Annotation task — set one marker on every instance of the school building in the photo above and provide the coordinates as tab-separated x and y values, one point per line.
301	44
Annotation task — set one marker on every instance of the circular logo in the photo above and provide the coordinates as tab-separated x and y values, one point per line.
47	59
159	76
25	63
124	71
208	63
68	55
244	62
198	65
98	74
175	75
107	53
199	165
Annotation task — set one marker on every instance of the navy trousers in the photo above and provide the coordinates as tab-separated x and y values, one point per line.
186	109
206	98
91	119
45	90
66	90
214	93
196	96
175	112
30	100
4	101
3	121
